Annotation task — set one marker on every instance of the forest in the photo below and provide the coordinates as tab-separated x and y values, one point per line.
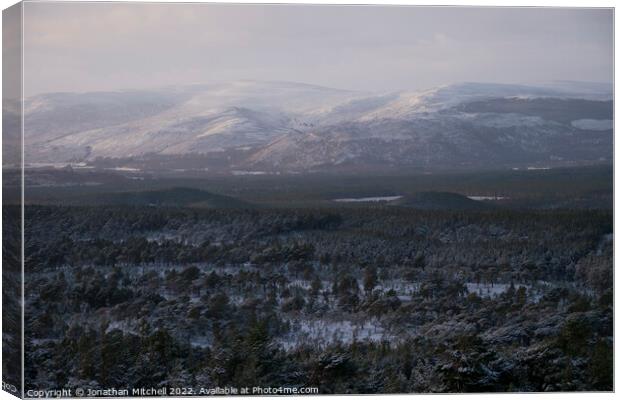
365	299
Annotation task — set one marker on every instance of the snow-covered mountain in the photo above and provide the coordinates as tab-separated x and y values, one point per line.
195	119
298	127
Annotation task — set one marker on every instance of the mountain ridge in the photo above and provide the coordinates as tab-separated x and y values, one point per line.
299	127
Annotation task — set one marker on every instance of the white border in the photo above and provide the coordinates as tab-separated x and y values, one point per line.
481	3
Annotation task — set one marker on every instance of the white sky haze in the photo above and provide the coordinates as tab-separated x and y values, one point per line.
110	46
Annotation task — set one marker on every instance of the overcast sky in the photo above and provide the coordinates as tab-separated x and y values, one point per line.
108	46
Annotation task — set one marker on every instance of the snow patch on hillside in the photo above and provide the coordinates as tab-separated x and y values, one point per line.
593	124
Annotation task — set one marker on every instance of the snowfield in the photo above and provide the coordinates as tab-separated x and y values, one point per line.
367	199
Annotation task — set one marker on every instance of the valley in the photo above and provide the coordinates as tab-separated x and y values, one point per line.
458	239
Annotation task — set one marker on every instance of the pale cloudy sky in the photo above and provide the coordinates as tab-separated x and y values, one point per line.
108	46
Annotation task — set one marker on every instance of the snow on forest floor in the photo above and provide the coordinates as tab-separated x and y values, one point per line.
492	289
323	332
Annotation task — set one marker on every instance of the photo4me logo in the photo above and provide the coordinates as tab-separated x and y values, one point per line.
9	387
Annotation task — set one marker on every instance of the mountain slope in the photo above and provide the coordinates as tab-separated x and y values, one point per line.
66	127
292	127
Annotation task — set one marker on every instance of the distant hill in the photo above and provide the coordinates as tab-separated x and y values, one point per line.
174	197
441	201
